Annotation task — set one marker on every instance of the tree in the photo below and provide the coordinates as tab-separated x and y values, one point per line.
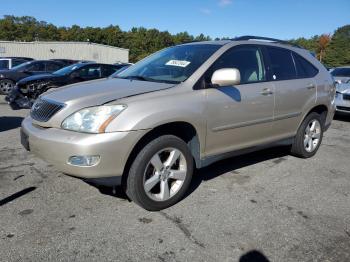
338	51
323	43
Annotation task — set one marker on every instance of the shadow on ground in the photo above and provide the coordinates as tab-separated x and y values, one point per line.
214	170
342	117
253	256
10	122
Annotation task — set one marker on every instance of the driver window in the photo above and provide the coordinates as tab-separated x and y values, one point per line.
90	72
247	59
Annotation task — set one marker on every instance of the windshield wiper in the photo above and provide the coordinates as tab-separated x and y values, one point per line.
142	78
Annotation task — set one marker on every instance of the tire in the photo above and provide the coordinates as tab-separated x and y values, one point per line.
305	144
6	86
148	179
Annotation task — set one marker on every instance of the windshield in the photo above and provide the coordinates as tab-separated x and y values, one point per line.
171	65
21	66
66	70
341	72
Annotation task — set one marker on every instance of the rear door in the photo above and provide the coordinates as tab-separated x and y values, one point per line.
239	116
294	90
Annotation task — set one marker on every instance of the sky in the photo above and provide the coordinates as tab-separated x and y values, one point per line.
284	19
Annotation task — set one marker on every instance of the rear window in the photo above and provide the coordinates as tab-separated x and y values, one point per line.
341	72
282	64
304	68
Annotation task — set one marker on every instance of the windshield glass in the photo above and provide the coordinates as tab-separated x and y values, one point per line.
171	65
341	72
66	70
21	66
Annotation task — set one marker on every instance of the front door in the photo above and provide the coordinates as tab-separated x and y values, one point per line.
239	116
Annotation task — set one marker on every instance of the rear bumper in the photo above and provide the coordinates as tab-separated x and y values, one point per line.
56	146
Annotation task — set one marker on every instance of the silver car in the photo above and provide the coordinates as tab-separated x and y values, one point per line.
182	108
342	100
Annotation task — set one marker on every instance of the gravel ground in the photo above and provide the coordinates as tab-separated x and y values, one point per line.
265	206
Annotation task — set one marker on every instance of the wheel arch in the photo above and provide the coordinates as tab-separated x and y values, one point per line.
181	129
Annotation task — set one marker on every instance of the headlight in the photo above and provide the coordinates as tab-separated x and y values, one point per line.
92	119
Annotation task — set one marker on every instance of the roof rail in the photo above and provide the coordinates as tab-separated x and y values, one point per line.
251	37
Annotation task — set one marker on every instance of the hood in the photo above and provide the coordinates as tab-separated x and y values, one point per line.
38	77
343	88
101	91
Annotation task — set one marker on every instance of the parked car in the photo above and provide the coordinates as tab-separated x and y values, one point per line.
8	78
342	100
10	62
183	107
341	74
28	89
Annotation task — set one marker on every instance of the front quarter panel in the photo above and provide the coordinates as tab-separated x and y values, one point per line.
151	110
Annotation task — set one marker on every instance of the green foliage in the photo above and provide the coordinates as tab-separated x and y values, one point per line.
141	41
338	51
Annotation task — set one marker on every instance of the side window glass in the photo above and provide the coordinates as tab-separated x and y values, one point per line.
304	68
282	64
107	70
36	67
247	59
51	67
90	72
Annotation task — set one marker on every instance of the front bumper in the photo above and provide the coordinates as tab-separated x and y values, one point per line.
56	146
342	105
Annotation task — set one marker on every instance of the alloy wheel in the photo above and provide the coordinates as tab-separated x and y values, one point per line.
165	174
312	135
6	86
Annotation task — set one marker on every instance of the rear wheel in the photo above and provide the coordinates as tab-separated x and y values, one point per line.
160	174
309	136
6	86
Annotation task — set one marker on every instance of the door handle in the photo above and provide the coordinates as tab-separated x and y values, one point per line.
310	86
266	92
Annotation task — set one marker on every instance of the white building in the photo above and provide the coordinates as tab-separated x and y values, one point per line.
65	50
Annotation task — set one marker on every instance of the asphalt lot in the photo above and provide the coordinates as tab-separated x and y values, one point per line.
265	206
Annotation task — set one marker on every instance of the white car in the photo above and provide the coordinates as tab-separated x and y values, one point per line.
342	98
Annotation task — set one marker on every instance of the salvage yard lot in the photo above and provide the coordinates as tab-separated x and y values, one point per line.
285	208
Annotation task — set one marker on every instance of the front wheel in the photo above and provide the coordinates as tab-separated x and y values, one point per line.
160	174
309	136
6	86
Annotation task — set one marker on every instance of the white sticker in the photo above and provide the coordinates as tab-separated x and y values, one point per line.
180	63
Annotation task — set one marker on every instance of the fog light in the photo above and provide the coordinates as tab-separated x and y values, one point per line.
83	160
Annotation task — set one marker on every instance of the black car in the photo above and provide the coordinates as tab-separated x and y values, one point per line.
28	89
8	78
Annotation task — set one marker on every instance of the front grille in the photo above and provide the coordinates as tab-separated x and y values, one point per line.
343	108
346	96
43	110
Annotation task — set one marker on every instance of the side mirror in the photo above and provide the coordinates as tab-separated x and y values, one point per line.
226	77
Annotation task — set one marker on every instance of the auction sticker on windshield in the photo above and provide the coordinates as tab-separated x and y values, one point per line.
180	63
